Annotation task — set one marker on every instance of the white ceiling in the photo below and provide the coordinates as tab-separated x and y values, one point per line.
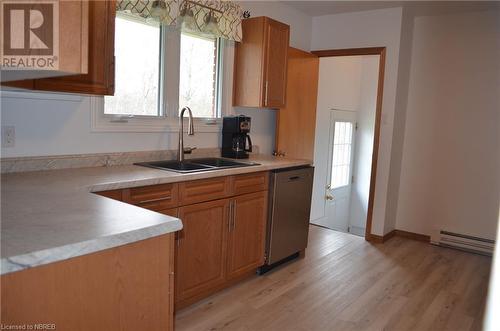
318	8
326	7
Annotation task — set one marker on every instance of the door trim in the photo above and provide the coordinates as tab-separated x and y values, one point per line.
381	51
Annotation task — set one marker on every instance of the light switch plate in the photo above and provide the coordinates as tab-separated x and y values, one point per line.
8	136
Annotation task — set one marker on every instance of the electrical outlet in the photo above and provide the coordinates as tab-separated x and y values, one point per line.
8	136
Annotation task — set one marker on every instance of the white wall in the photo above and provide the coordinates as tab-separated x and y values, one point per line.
364	141
300	23
58	127
451	161
339	87
399	119
369	29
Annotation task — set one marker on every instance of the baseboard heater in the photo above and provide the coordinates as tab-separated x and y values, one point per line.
464	242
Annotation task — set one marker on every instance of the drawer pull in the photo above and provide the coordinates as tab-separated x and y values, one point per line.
155	200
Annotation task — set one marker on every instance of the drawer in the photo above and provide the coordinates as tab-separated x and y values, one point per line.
204	190
155	197
112	194
248	183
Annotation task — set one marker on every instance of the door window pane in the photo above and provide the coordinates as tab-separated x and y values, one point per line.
137	68
198	75
341	156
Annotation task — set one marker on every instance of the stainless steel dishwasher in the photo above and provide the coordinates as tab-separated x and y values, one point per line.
289	211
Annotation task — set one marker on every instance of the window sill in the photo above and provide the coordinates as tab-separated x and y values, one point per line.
161	126
100	123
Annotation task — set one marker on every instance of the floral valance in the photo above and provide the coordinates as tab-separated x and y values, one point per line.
205	17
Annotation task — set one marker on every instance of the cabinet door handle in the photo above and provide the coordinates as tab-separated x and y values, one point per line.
266	93
234	215
229	216
178	238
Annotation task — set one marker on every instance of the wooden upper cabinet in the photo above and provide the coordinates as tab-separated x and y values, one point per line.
99	78
260	66
277	39
67	45
296	123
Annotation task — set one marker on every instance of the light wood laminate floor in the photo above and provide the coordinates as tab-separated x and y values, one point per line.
345	283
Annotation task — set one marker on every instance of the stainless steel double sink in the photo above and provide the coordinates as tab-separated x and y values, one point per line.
196	165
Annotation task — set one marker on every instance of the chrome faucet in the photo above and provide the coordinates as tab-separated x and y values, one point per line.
180	155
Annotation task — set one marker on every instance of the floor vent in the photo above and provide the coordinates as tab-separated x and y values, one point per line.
464	242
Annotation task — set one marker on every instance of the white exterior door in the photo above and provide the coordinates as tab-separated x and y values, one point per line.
340	164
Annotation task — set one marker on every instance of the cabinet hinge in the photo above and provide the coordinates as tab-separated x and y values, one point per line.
356	126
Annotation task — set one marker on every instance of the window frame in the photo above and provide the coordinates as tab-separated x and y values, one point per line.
168	120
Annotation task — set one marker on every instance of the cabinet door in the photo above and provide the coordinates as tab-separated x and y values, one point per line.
100	77
296	123
201	249
277	39
246	233
248	84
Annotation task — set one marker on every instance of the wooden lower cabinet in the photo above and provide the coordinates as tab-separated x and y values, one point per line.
129	287
222	241
201	250
223	236
112	194
174	212
246	234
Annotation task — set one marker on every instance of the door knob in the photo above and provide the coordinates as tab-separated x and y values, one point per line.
329	197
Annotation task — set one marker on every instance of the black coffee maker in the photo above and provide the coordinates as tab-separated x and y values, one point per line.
235	136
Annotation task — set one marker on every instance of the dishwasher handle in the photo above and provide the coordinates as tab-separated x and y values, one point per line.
294	175
294	178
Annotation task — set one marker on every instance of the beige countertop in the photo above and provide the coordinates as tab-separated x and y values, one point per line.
49	216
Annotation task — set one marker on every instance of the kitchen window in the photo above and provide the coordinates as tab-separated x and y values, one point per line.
159	70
